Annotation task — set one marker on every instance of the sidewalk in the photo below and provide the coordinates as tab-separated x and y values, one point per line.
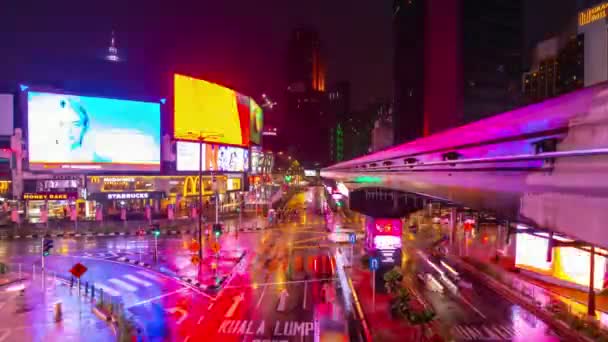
91	228
382	325
30	316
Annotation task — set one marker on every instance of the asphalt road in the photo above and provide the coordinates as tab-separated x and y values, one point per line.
277	292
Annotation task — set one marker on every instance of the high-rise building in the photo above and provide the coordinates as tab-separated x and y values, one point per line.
338	107
307	123
557	68
492	55
592	25
455	61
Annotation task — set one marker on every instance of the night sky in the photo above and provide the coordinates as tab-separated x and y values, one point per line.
238	43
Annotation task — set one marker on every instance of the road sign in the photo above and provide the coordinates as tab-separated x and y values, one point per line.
352	238
215	247
78	270
194	246
374	263
195	259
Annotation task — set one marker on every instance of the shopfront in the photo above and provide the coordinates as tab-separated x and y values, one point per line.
134	203
58	204
181	192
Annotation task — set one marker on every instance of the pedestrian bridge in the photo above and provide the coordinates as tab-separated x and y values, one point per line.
545	165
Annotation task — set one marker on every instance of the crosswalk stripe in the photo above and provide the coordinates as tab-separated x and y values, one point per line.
107	289
137	280
149	275
123	284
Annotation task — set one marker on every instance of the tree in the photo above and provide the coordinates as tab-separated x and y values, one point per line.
400	306
392	280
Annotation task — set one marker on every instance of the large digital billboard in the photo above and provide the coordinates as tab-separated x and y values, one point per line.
207	111
256	122
214	157
68	132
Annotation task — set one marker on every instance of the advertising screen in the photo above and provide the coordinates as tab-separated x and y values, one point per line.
211	112
67	132
256	160
215	157
531	252
256	122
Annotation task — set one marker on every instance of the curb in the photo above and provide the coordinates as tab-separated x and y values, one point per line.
114	233
562	328
134	262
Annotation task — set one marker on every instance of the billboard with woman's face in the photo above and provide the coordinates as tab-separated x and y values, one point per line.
68	132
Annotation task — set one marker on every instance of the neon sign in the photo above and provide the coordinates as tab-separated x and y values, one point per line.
592	15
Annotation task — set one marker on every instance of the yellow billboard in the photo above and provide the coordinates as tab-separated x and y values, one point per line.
210	112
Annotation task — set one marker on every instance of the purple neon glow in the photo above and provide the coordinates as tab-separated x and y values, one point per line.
553	114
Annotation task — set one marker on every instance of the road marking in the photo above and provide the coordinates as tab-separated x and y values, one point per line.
157	297
137	280
304	301
283	300
473	307
200	320
236	300
210	306
123	284
150	276
285	282
107	289
261	297
187	339
183	313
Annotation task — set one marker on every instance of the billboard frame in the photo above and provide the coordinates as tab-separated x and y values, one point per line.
22	100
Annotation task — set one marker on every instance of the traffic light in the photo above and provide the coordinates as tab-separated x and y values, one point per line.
217	229
47	246
156	230
288	178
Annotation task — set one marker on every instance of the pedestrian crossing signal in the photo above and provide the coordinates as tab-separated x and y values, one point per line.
47	246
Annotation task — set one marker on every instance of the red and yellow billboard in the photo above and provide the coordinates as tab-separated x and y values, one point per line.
210	112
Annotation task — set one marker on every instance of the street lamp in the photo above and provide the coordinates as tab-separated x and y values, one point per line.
201	137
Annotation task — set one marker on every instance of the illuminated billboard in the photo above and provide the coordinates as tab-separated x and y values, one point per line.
212	113
256	121
68	132
215	157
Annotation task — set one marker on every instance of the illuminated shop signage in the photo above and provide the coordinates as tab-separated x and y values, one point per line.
592	15
99	179
129	195
52	196
119	180
233	184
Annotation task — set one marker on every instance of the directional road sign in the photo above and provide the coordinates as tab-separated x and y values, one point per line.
78	270
215	247
352	238
374	263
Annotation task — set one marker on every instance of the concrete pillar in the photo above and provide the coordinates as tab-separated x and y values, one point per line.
591	296
452	227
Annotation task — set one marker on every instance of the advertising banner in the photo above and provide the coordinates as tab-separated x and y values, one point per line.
215	157
68	132
256	121
73	213
170	215
44	215
98	214
207	111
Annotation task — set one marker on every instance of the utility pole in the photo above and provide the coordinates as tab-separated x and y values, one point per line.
200	198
